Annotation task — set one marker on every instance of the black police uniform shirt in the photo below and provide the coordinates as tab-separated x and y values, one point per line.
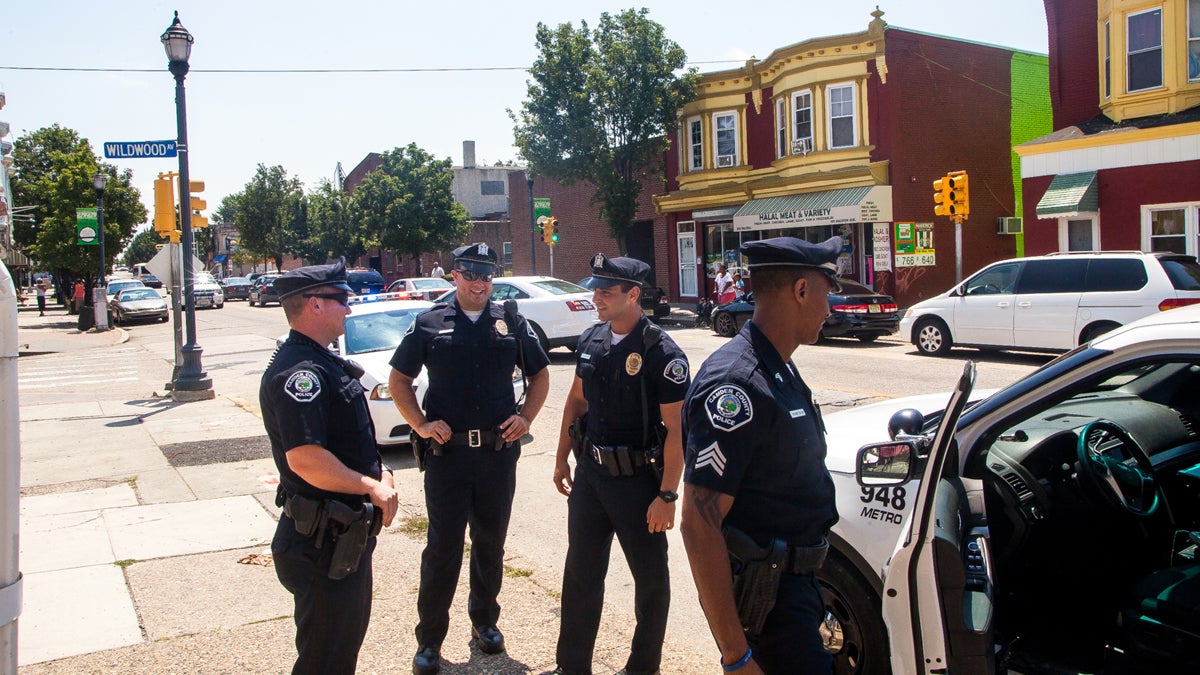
470	363
308	398
612	375
752	431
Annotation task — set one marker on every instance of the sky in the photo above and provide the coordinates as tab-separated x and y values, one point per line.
309	122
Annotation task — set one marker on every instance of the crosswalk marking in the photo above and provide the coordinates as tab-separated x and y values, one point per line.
93	367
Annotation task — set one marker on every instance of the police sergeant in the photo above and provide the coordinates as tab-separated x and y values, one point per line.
470	347
629	385
755	469
323	442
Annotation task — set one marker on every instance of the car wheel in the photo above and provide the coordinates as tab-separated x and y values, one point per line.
1096	330
853	628
724	324
867	338
933	338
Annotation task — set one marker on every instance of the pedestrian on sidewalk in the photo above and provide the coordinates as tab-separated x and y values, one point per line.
41	296
333	486
79	293
437	272
468	440
622	419
724	281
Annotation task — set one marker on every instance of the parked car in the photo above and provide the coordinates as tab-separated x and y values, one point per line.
855	311
421	288
119	285
1049	527
207	291
137	304
1052	302
653	299
365	282
236	287
151	281
558	311
262	290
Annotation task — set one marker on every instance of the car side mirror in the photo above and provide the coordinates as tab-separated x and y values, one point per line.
885	463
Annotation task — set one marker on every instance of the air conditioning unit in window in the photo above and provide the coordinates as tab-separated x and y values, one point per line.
802	146
724	160
1008	226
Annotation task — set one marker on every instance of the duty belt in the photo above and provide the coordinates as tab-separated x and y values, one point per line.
619	460
805	559
475	438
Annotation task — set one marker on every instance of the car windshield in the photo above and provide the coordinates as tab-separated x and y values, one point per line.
364	277
204	278
118	286
138	294
559	287
378	330
430	284
240	281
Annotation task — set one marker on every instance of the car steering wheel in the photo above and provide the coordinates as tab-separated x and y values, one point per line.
1113	462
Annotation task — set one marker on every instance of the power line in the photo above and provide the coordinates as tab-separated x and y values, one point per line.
300	71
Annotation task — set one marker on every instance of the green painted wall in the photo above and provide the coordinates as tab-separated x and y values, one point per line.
1032	115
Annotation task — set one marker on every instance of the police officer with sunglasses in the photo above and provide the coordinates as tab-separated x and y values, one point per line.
472	423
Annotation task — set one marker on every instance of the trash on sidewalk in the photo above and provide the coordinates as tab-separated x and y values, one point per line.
263	559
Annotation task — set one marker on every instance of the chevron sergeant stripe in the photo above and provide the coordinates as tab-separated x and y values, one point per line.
713	458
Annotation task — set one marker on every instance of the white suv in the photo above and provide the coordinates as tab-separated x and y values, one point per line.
1052	302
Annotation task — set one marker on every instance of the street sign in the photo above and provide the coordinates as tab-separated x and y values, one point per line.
541	209
138	149
87	232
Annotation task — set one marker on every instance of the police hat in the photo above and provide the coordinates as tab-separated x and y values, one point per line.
612	271
793	252
478	257
313	276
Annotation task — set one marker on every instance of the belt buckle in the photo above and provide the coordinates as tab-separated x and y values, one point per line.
473	438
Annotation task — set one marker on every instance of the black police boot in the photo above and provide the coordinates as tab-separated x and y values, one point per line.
490	639
426	661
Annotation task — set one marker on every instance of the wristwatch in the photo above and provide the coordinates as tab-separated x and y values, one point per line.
668	496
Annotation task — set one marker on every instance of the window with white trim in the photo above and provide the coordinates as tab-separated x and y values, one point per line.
781	149
1144	50
842	127
802	131
1107	61
1170	230
1193	45
695	144
725	139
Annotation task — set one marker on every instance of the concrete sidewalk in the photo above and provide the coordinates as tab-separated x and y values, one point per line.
58	331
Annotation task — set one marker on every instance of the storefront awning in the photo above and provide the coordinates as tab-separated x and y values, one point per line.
14	259
1069	195
868	204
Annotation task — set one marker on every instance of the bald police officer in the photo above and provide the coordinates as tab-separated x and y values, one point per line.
470	346
629	385
759	499
333	487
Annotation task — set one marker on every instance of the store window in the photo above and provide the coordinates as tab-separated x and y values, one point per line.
1170	231
695	144
841	116
1143	46
802	131
725	137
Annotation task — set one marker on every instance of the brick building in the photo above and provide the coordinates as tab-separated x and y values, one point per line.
1121	171
844	135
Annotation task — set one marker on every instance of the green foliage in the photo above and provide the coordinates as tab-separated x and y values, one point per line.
408	204
54	168
332	232
600	106
142	248
270	213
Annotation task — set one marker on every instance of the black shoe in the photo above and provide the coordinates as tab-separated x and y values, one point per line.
490	639
426	661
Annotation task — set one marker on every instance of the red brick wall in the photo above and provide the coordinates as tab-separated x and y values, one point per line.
1075	78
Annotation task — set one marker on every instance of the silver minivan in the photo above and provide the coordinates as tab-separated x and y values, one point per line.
1053	302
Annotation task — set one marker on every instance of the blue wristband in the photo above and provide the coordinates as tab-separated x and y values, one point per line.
741	662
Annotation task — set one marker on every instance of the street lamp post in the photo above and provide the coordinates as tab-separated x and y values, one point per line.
192	383
100	292
532	226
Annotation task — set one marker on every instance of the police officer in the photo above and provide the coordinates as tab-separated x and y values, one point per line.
470	347
758	489
629	385
323	442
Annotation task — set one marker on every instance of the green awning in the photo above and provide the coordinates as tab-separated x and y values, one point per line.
1069	195
825	199
872	203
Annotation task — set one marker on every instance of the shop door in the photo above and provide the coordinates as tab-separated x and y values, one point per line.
686	238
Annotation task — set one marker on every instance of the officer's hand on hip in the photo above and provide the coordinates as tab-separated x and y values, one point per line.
437	430
386	499
514	428
660	517
562	477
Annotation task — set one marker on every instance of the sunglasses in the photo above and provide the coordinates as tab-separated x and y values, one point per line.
475	276
342	299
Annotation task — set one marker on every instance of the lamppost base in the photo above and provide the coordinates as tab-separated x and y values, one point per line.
181	396
192	380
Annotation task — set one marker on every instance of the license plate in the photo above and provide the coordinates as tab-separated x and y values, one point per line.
873	309
203	302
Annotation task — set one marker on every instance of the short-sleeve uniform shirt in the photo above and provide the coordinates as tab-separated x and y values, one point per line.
470	363
612	377
308	398
751	430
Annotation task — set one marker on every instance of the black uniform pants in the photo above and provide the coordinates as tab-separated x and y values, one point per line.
599	506
791	640
331	616
464	487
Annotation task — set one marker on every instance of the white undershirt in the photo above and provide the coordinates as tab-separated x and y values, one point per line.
473	316
617	337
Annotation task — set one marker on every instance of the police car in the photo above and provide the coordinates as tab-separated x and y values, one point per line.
373	331
1051	527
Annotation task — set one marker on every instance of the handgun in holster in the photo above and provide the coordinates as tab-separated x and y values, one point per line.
576	433
756	574
421	449
351	531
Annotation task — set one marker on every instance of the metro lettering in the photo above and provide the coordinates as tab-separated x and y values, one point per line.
882	515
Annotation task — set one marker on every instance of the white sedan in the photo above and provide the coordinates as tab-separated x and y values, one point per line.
421	288
559	311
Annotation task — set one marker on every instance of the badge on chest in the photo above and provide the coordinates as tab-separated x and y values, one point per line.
633	364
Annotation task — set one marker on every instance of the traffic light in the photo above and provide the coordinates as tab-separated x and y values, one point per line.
943	203
164	208
550	231
197	204
959	195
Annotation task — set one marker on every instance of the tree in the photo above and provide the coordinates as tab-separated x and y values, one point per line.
268	213
54	169
332	232
408	205
600	107
142	248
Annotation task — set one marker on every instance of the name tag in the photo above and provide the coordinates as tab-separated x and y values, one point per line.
797	413
445	331
585	356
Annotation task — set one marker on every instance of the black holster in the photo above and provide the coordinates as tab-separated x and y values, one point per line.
756	574
351	530
421	448
307	514
576	433
654	457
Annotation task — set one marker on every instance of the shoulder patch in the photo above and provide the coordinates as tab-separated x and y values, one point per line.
728	407
676	371
304	386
